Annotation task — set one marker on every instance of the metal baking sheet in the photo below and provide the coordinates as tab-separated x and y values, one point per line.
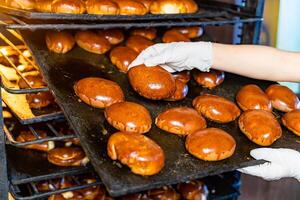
61	72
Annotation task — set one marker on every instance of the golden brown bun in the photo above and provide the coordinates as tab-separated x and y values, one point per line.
59	41
210	79
164	193
141	154
129	117
114	36
183	76
216	108
68	6
168	7
282	98
146	3
35	81
122	57
98	92
27	136
191	6
260	126
21	4
193	190
40	99
180	120
251	97
149	33
131	7
152	82
66	156
174	36
180	92
189	31
43	5
138	43
291	120
210	144
92	42
102	7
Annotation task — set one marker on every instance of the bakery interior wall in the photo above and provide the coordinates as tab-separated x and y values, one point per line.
282	28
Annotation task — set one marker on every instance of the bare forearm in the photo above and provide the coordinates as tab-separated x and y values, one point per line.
258	62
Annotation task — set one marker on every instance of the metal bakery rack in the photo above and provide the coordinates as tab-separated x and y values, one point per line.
229	21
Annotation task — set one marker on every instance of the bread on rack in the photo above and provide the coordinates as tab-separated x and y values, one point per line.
189	31
122	57
149	33
191	6
180	92
138	43
114	36
210	79
21	4
59	41
68	6
131	7
102	7
193	190
146	3
291	120
174	36
43	5
92	42
168	7
67	156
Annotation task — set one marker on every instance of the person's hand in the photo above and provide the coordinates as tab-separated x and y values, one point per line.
281	163
177	56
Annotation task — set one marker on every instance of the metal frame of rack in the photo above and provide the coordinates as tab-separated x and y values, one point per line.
253	10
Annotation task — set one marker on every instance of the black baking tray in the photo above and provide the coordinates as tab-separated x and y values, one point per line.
62	71
25	166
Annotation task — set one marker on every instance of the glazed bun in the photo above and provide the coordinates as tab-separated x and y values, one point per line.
138	43
98	92
102	7
210	79
191	6
189	31
59	41
168	7
122	57
68	6
210	144
180	92
27	136
66	156
92	42
149	33
43	5
114	36
174	36
291	120
146	3
21	4
131	7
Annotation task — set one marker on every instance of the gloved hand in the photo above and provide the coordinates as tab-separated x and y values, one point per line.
177	56
282	163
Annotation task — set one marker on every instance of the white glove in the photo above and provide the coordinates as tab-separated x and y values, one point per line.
282	163
177	56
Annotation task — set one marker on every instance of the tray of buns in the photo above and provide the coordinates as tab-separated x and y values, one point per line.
62	72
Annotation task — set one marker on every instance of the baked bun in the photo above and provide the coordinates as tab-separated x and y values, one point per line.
168	7
282	98
68	6
66	156
191	6
40	99
114	36
260	126
183	76
152	82
189	31
216	108
210	144
138	43
92	42
21	4
59	41
193	190
141	154
146	3
43	5
98	92
210	79
174	36
149	33
291	120
131	7
128	117
180	121
251	97
27	136
180	92
166	193
122	57
102	7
